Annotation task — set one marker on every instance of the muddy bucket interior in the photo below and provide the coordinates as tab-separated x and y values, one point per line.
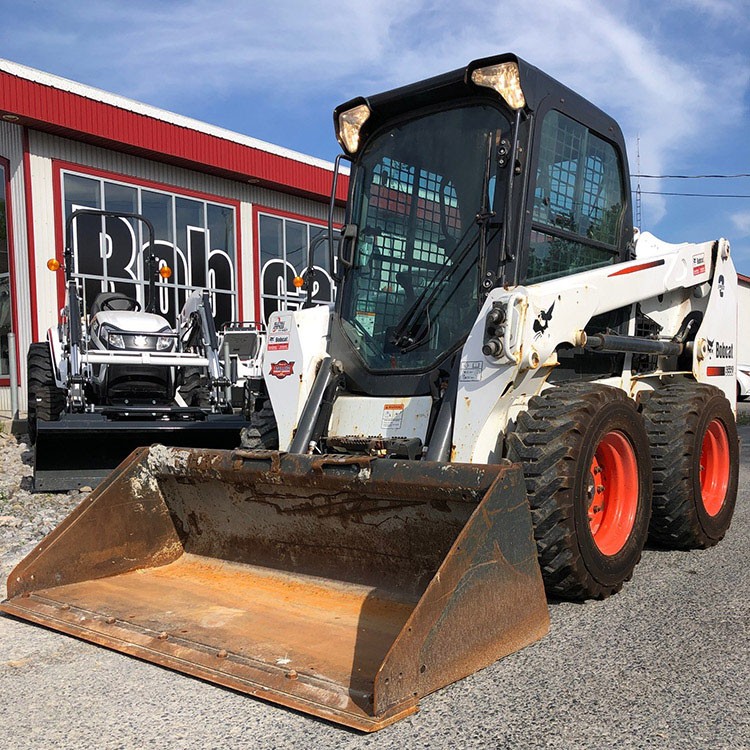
346	588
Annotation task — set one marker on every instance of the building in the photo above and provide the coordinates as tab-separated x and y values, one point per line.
231	213
743	316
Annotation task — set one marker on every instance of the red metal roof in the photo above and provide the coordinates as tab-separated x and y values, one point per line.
72	115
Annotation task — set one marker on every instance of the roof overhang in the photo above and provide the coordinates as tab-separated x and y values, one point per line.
61	107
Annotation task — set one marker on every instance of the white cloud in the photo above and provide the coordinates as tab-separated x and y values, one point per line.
741	222
170	52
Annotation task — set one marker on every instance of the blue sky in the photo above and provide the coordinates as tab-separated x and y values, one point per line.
674	73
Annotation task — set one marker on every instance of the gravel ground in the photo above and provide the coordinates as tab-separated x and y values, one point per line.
25	517
664	664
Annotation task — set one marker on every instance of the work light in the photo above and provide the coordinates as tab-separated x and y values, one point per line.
503	78
350	123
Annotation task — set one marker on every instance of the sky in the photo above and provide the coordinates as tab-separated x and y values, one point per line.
674	73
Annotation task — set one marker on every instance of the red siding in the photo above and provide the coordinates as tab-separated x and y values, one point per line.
74	116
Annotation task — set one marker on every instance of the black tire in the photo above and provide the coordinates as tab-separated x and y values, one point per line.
45	400
679	418
582	552
262	432
194	389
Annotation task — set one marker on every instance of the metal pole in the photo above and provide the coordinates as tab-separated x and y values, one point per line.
13	367
227	373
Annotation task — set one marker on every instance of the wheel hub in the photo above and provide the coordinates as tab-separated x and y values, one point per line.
714	467
612	493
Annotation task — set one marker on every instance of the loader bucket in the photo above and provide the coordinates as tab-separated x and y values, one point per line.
345	587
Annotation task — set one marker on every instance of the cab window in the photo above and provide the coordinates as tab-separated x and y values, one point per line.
578	201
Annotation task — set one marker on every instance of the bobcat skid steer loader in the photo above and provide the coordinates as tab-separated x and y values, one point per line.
512	392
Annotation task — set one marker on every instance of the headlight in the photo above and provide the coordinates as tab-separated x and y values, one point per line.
141	342
503	78
350	123
115	340
164	343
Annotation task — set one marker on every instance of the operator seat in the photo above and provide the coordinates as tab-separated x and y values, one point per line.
114	301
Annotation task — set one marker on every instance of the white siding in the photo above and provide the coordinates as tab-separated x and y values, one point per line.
11	148
743	323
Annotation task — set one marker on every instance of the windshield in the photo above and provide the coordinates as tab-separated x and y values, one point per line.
422	198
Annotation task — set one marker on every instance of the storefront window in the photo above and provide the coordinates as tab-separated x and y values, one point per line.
194	237
284	246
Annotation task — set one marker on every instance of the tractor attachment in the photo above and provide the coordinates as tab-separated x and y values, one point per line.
345	587
79	450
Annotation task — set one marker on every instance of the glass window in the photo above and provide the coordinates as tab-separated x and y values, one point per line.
578	201
284	247
296	244
120	197
5	306
194	237
80	192
412	293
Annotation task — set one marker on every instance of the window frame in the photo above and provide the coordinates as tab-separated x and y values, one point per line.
61	167
276	213
619	250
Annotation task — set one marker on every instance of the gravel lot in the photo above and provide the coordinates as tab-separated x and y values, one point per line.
25	517
664	664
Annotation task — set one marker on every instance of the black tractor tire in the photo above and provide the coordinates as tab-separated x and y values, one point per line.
45	400
194	389
695	454
587	467
262	432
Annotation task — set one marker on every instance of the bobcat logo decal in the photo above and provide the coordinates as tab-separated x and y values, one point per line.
541	324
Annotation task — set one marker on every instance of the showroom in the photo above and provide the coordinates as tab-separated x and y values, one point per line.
231	214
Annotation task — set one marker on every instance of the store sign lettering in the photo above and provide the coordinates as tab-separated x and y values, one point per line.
115	255
279	292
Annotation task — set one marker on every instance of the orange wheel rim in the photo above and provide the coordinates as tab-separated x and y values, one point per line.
613	491
714	467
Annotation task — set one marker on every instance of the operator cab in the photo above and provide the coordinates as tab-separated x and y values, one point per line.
492	175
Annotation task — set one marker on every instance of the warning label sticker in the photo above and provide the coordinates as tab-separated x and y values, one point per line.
393	417
366	320
470	371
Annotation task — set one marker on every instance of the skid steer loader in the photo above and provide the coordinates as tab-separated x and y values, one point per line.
512	392
114	377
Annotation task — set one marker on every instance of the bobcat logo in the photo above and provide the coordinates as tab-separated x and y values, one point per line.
541	324
710	346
